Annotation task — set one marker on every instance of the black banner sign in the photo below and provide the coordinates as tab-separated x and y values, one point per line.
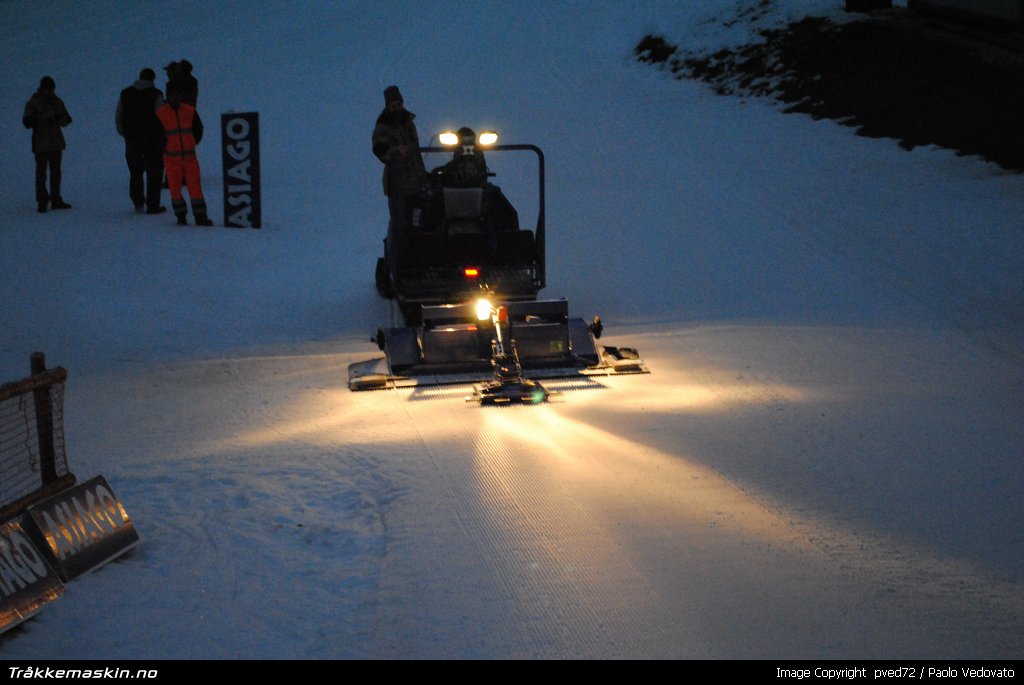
240	144
83	527
27	581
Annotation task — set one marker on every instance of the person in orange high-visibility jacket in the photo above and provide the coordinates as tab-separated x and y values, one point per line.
184	130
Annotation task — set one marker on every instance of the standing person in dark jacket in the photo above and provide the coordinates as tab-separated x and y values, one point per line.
397	144
184	131
144	137
46	115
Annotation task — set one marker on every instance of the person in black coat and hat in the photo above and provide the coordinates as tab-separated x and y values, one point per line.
46	115
396	143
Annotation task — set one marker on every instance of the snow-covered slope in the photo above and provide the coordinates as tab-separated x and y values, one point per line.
825	461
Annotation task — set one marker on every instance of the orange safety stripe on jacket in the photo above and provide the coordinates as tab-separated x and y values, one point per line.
177	123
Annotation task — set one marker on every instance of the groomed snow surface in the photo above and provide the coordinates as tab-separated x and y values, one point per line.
825	461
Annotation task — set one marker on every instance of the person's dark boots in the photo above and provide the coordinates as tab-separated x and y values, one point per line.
60	204
199	212
182	220
42	207
156	210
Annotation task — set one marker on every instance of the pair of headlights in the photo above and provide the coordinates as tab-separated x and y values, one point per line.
451	138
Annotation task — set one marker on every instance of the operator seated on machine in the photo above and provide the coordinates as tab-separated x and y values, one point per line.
487	209
467	168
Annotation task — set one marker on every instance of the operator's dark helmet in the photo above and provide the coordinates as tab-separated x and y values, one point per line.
466	136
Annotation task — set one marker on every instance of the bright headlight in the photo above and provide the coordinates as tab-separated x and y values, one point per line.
448	138
487	138
483	309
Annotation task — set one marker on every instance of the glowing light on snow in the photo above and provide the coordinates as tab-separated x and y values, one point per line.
564	452
713	397
336	416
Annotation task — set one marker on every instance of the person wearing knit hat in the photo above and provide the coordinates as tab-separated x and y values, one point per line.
46	115
396	143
